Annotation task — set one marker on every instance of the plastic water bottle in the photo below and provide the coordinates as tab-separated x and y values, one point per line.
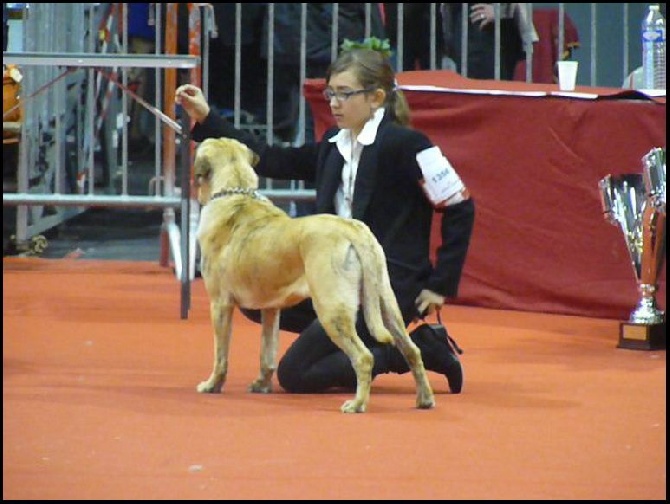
653	49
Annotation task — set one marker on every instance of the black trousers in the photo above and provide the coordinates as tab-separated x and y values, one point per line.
313	363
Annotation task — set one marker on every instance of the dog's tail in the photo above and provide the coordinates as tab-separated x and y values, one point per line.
379	302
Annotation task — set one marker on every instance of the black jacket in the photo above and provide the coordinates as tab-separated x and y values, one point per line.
387	197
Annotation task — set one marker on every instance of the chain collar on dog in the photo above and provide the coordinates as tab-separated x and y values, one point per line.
239	190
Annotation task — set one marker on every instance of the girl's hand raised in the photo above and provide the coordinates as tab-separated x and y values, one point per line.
191	98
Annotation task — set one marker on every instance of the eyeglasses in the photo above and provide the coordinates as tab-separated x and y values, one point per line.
342	96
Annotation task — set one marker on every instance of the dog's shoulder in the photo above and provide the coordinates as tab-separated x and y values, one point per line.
236	209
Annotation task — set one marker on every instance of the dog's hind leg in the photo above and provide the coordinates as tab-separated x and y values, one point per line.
269	341
221	313
381	309
340	325
425	399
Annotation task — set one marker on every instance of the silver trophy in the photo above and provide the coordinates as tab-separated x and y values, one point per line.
627	203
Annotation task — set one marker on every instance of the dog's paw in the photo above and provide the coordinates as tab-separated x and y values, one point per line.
353	406
207	387
260	387
425	399
425	402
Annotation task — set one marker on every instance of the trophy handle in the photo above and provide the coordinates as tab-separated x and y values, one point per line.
608	199
654	174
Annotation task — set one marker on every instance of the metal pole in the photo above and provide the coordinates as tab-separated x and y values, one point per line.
185	214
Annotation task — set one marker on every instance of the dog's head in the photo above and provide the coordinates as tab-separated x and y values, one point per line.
223	163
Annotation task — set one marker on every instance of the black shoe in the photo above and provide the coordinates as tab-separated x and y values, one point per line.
438	351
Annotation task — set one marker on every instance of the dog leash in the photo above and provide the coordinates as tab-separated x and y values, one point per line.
451	340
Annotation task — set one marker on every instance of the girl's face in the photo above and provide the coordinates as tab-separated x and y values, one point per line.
350	103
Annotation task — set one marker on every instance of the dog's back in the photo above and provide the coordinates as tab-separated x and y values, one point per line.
267	259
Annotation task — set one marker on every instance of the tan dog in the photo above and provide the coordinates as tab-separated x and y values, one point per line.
255	256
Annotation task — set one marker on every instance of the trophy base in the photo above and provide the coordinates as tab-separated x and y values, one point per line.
642	336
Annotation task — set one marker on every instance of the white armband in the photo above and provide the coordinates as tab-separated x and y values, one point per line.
441	183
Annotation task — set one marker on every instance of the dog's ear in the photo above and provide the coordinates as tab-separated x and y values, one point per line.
253	158
202	169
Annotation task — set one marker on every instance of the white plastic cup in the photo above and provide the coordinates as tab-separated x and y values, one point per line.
567	75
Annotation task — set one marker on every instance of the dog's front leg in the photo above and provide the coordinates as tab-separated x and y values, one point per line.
221	313
269	341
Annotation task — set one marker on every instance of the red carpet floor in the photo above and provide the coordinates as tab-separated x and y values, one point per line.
99	402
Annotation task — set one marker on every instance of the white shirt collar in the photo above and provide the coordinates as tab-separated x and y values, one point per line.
368	133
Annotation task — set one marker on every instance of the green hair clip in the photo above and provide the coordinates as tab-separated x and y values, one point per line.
374	43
